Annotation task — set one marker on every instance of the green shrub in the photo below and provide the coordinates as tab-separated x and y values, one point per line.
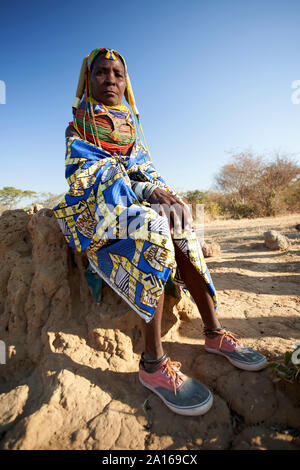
289	369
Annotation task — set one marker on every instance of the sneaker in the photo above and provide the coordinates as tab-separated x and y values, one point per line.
181	394
226	344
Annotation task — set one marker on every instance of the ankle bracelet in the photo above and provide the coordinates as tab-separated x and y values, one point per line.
207	331
154	361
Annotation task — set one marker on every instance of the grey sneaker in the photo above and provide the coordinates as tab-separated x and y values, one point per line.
182	394
227	345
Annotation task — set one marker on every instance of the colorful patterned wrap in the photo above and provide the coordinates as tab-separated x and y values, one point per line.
127	243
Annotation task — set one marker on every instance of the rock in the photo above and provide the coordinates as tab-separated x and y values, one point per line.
252	396
297	227
116	428
288	404
12	405
276	241
68	357
212	431
263	438
211	249
37	207
34	209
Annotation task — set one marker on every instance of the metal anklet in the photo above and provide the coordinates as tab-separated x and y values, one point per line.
154	361
208	331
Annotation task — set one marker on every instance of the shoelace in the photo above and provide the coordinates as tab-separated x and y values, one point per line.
228	335
172	370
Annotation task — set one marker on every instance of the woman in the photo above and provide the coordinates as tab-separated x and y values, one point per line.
135	230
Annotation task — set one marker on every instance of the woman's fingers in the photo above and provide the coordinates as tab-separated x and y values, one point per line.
177	217
188	218
177	213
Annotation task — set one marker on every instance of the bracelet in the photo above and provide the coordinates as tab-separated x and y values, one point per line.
153	361
138	190
143	190
207	331
148	190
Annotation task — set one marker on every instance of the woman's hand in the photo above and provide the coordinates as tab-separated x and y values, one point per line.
168	205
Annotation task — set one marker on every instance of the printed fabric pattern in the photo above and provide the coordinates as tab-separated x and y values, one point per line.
127	242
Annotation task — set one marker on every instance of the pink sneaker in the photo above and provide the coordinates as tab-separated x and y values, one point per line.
182	394
226	344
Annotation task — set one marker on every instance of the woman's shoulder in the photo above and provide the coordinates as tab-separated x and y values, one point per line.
71	131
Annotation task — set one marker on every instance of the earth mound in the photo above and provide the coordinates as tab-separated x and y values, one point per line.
70	380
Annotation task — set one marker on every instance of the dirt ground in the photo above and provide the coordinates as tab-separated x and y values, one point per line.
259	299
70	381
258	288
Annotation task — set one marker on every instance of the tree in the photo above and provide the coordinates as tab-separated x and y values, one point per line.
277	178
10	196
210	200
49	199
254	187
243	172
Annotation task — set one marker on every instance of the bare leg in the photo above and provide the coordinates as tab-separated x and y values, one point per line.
198	289
152	333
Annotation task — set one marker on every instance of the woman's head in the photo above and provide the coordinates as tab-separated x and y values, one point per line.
104	79
107	77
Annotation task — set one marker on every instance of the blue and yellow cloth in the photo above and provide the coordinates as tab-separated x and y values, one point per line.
128	244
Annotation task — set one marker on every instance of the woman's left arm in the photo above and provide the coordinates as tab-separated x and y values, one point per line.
149	185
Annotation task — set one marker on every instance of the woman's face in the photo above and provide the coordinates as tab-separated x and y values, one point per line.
108	82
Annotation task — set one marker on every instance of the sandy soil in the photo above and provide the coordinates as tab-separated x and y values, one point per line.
258	288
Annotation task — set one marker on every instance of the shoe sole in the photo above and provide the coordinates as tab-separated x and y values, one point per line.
191	411
241	365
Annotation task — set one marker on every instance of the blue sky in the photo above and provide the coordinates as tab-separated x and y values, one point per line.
209	77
